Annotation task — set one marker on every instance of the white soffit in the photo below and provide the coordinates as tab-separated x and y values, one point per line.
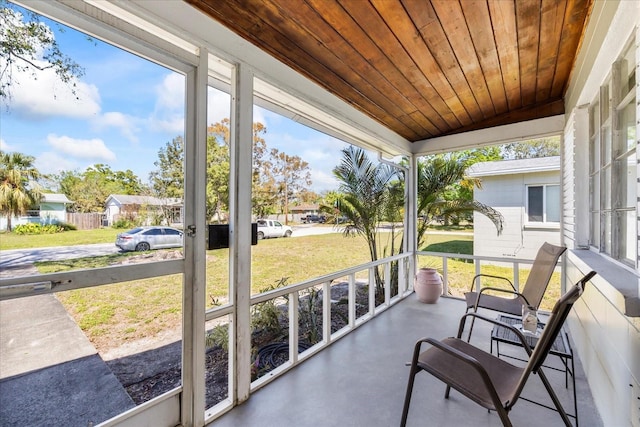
281	102
144	24
110	24
532	129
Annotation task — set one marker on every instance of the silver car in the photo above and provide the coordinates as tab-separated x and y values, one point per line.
146	238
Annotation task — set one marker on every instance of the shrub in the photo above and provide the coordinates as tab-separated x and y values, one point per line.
123	223
36	228
67	227
218	336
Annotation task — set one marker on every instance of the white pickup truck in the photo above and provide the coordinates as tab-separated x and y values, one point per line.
269	229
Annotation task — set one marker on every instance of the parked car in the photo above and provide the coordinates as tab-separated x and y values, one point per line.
146	238
313	218
268	229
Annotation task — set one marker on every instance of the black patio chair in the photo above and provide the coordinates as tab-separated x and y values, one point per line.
484	378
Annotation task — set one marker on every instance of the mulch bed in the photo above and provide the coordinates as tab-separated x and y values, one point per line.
151	373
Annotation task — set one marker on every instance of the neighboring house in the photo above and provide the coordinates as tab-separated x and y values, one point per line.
527	193
303	210
52	209
124	206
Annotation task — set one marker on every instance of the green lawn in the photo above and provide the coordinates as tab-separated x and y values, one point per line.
114	314
66	238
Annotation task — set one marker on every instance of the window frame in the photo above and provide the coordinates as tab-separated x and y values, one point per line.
528	221
612	213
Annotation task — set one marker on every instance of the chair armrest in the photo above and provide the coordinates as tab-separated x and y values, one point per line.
496	322
493	277
506	291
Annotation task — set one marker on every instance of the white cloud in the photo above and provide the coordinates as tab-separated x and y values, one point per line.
41	94
171	124
218	106
50	162
171	92
92	149
5	146
169	111
323	181
126	124
259	116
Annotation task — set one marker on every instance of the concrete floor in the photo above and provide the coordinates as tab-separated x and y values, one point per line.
361	380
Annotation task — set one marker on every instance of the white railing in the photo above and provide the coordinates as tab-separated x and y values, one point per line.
477	260
288	298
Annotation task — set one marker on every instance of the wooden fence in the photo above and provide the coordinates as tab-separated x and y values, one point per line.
85	221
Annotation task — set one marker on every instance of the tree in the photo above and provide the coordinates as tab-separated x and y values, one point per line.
483	154
307	196
544	147
329	206
18	188
264	190
463	189
89	189
28	46
168	179
436	175
275	175
365	190
290	175
263	194
218	169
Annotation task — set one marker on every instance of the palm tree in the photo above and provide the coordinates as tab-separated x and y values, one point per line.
365	190
16	194
436	175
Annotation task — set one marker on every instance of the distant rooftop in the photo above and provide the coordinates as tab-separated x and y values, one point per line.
127	199
55	198
509	167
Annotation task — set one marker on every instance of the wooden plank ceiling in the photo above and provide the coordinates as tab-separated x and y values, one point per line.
423	68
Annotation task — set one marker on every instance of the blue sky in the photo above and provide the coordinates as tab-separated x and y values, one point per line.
128	108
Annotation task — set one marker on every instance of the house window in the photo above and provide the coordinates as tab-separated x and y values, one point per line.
613	163
543	203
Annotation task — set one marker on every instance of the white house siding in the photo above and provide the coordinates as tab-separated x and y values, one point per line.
507	194
51	213
605	324
52	210
112	210
608	344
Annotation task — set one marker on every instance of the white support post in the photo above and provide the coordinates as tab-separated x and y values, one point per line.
445	276
194	283
372	290
326	312
411	216
241	139
387	284
294	326
352	301
516	276
402	277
